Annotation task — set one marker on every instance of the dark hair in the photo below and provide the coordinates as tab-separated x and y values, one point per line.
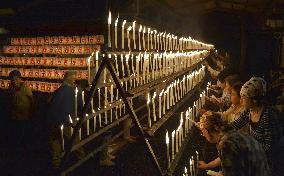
14	73
215	123
223	74
232	79
237	87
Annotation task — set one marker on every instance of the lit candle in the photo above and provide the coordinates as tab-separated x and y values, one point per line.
168	149
110	113
149	112
154	107
88	125
115	30
155	39
128	37
190	166
148	45
71	121
89	68
62	137
193	166
120	106
76	101
139	41
106	121
151	41
185	171
97	61
164	105
99	97
109	23
122	34
143	37
158	41
197	160
95	122
160	104
134	34
177	138
100	118
173	144
83	97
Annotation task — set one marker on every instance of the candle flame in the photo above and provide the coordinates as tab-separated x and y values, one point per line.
140	28
76	91
167	138
129	28
133	25
109	17
144	29
173	133
185	170
97	55
161	93
154	96
116	21
70	119
61	127
149	100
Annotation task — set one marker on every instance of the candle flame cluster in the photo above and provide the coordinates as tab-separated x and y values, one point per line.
178	135
156	40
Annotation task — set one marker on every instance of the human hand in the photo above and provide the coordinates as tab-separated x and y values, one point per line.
202	165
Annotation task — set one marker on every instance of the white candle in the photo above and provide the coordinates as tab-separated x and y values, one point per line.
185	171
149	112
106	100
164	105
88	125
155	39
168	149
71	128
173	144
83	97
134	34
76	101
62	137
160	104
110	113
95	122
197	160
109	23
80	132
139	41
148	45
177	138
97	61
89	68
151	41
122	34
106	121
154	107
100	118
128	37
115	31
190	166
193	166
99	97
143	37
120	106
